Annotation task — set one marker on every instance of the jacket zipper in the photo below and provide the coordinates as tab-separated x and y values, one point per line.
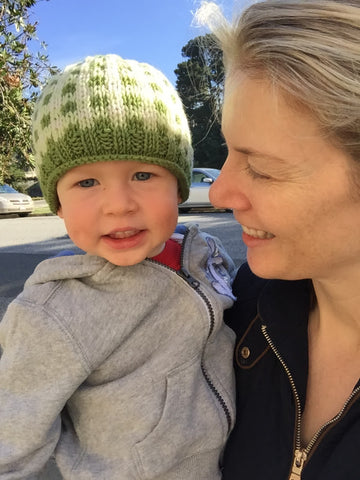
301	455
195	284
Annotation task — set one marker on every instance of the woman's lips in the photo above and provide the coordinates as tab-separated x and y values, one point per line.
252	232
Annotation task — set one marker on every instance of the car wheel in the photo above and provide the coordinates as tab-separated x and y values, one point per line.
23	214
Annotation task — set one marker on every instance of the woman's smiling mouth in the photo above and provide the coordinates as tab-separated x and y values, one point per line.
252	232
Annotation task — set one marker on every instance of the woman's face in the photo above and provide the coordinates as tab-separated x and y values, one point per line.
289	188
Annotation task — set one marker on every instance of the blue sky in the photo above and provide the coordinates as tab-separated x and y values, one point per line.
152	31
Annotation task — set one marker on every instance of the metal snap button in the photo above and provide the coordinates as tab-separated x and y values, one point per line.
245	352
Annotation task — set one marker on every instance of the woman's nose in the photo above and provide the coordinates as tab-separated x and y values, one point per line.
227	192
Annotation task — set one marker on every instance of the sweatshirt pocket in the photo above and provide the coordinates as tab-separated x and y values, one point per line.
191	424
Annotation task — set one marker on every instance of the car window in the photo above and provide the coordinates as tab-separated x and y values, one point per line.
198	177
7	189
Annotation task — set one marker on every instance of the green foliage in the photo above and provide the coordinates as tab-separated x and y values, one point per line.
22	72
200	83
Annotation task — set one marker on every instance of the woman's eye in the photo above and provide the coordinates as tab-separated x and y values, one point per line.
89	182
254	174
143	176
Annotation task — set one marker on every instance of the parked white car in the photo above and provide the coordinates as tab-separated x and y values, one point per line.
202	178
12	201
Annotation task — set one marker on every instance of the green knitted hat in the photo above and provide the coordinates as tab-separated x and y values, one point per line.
107	108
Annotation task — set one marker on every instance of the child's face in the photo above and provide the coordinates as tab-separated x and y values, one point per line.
123	211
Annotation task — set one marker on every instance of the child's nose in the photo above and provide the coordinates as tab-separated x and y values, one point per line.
119	200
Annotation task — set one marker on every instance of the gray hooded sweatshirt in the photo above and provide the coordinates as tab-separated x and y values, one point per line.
124	372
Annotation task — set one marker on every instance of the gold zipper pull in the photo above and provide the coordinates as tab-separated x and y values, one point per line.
298	464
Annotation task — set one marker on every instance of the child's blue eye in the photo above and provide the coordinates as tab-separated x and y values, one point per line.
89	182
142	176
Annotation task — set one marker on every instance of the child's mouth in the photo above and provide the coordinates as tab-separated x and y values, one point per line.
123	234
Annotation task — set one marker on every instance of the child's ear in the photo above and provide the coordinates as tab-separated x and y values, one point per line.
59	212
179	196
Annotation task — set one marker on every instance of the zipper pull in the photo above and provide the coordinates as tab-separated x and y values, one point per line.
298	465
184	274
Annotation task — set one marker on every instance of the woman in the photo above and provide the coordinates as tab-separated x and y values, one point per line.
291	121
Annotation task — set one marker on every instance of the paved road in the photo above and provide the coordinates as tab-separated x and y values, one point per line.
24	242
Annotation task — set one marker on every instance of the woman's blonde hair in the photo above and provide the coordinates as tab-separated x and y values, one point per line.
309	49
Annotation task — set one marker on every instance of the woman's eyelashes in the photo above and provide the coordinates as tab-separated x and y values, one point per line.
255	174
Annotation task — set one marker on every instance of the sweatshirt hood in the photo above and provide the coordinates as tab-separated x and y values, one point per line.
66	267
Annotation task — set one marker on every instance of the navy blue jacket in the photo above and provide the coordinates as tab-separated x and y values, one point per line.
271	363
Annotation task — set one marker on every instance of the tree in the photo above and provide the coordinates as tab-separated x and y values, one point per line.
22	72
200	83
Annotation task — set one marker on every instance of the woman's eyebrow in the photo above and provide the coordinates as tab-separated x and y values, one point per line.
256	153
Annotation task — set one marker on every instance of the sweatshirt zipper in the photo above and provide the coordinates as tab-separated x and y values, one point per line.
301	455
195	284
184	274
